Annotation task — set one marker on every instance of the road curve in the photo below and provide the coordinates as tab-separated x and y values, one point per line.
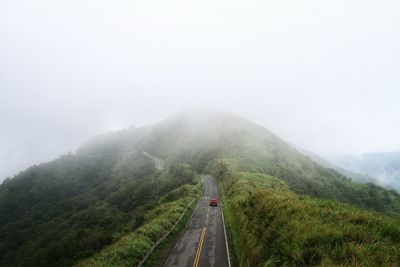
203	244
159	163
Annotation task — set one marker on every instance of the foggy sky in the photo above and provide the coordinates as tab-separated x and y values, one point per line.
323	75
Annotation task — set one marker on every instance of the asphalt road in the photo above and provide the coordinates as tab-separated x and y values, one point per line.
159	163
203	244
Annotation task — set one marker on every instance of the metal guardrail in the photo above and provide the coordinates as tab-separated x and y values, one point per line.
183	232
141	262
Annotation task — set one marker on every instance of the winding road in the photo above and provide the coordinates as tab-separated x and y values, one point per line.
203	243
159	163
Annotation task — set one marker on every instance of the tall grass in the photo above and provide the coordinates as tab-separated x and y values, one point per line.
270	225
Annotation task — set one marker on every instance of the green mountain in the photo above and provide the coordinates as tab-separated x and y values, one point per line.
202	138
74	207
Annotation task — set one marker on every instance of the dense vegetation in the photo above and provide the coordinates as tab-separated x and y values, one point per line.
106	204
56	213
201	138
307	177
130	249
270	225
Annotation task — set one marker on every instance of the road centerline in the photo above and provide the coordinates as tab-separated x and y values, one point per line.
203	242
200	247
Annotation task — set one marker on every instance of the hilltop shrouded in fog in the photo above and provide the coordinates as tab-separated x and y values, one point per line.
304	82
118	184
322	76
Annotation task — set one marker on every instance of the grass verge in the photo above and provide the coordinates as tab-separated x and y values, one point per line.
229	226
160	254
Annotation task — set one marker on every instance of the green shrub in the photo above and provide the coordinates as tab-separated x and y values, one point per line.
131	248
270	225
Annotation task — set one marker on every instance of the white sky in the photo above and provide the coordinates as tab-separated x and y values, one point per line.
324	75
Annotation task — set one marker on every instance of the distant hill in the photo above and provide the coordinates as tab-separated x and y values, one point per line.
69	209
358	177
383	167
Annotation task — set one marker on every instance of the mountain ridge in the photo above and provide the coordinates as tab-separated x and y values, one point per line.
104	190
198	138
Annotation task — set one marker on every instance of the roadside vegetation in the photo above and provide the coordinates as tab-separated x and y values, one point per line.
107	204
306	177
131	248
270	225
58	213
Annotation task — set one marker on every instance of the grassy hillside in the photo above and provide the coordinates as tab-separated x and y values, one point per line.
59	212
304	176
199	138
131	248
91	207
270	225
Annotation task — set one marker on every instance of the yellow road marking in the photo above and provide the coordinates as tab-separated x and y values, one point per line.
199	248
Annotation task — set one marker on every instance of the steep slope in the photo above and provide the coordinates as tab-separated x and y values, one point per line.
270	225
201	138
60	212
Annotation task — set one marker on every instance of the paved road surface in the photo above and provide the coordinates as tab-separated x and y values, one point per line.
159	163
203	243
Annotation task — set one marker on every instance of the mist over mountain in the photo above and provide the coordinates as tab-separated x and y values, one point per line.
201	136
114	133
363	178
69	210
382	168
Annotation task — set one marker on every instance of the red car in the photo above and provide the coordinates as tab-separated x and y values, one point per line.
213	202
